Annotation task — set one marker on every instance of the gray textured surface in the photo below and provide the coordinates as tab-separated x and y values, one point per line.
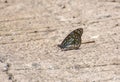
30	31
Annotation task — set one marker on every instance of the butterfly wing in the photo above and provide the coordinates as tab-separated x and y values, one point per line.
73	40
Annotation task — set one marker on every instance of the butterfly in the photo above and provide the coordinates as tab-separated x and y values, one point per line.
72	41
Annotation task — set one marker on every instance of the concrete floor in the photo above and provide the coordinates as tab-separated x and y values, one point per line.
30	31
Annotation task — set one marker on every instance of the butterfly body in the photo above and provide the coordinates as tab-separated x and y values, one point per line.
72	41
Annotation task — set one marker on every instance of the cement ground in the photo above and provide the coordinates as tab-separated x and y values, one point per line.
30	31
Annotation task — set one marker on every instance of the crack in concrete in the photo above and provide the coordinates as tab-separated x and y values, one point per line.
75	67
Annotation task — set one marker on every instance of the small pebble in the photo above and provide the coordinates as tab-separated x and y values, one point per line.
6	67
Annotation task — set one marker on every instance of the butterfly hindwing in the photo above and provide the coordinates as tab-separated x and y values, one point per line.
72	41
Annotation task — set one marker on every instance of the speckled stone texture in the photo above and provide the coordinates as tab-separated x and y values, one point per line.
30	31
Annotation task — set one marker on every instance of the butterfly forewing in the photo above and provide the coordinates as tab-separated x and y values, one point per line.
73	40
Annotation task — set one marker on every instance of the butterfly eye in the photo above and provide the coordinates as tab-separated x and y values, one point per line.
72	41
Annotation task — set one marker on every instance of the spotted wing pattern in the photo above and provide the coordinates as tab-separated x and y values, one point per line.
73	40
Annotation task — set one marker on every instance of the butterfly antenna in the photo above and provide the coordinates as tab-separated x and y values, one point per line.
88	42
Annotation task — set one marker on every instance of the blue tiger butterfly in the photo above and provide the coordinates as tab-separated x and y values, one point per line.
72	41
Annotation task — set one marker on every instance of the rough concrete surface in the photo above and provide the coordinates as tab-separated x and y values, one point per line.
30	31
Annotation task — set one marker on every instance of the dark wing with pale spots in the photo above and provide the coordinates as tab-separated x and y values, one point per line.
73	40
